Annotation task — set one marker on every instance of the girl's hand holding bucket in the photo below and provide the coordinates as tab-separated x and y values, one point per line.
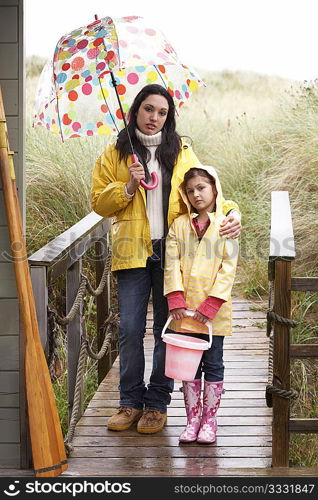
183	354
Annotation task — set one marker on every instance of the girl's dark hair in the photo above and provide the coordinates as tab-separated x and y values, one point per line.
167	152
195	172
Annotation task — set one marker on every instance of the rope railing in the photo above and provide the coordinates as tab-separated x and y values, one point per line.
272	317
110	327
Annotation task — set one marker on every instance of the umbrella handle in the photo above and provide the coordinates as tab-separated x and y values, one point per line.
153	176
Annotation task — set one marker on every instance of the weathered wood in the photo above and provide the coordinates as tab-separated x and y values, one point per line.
8	288
9	57
282	244
40	291
96	420
177	395
304	284
256	404
70	246
9	389
281	364
112	441
156	466
11	455
9	428
180	412
74	330
303	425
8	25
172	452
9	349
304	351
10	90
102	306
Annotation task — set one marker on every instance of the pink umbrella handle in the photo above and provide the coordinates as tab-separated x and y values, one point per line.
154	177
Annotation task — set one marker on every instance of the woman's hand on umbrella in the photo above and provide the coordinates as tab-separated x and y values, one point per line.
178	313
137	174
231	225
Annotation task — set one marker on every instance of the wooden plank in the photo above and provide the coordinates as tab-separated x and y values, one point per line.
304	351
9	349
97	402
182	421
172	431
8	25
10	455
281	364
40	292
10	425
114	395
71	245
180	412
303	425
156	441
14	131
305	284
282	243
9	57
171	452
9	389
154	466
9	309
8	287
10	92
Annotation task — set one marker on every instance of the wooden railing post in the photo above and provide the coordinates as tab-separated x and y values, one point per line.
282	253
281	365
102	305
74	330
40	292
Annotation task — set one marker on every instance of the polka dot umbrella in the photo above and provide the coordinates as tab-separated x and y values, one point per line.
98	69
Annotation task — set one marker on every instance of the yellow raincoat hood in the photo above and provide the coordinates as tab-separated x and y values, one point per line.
219	205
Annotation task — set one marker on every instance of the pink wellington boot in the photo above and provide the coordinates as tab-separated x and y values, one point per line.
192	399
211	401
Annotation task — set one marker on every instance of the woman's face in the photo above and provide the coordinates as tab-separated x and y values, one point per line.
152	114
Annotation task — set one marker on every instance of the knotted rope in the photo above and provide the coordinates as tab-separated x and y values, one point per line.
272	317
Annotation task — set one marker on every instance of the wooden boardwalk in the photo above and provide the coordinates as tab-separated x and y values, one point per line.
243	445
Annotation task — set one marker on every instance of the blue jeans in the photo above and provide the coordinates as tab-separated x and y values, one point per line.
211	363
134	287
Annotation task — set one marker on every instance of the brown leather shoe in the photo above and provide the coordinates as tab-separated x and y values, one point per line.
151	421
123	419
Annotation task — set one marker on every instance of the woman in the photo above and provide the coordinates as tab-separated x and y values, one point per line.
140	222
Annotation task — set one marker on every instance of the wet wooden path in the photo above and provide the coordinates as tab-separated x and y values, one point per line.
243	445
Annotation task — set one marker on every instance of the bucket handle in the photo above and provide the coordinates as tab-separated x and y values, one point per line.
188	312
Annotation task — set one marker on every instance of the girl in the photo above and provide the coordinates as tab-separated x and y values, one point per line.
200	268
140	223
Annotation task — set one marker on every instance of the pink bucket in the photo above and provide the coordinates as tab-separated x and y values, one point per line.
183	354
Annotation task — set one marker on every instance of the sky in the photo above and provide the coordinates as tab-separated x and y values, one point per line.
273	37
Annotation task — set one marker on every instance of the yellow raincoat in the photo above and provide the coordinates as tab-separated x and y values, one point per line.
201	268
131	240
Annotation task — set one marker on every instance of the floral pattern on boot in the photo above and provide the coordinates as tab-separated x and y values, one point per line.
192	398
211	401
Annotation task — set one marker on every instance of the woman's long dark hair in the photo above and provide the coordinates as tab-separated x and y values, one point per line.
167	152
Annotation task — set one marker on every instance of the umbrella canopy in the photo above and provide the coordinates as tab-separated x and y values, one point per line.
98	69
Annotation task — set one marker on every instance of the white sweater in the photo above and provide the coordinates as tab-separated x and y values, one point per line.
154	196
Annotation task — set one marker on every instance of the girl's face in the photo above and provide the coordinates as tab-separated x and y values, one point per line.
201	194
152	114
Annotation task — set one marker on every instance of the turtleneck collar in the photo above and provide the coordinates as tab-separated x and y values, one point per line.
149	140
